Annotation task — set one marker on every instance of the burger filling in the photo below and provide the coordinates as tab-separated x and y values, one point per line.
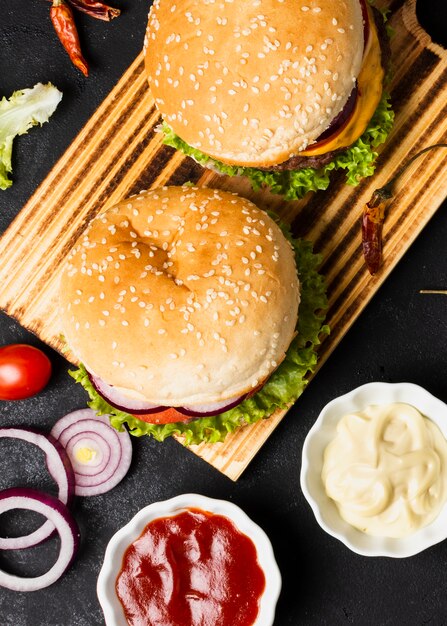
123	401
280	391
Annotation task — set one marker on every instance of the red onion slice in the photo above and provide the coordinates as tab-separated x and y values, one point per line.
340	120
99	438
59	466
207	410
97	463
113	446
136	407
59	517
121	401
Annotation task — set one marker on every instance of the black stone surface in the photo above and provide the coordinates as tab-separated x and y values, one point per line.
401	336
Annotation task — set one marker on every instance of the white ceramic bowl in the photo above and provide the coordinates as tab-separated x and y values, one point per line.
323	431
111	606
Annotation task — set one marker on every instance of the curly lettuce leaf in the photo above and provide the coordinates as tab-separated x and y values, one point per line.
357	160
281	390
24	109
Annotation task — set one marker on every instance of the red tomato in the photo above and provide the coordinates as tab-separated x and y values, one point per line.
24	371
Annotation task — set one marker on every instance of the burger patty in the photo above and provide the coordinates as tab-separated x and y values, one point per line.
316	162
298	162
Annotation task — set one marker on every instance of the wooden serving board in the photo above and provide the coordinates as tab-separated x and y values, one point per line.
119	153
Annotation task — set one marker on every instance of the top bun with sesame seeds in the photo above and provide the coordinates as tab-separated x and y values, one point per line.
181	296
253	83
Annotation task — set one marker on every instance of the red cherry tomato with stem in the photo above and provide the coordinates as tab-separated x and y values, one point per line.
24	371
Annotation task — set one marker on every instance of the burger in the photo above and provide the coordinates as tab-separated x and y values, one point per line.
187	314
280	91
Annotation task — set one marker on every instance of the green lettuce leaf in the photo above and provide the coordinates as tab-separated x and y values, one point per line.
357	160
23	110
283	387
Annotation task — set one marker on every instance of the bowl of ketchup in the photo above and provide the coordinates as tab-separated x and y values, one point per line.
189	561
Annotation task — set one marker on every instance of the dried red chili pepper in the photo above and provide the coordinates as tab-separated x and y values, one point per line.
372	224
374	215
65	27
96	9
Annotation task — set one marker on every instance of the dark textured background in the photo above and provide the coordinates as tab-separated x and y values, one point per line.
400	337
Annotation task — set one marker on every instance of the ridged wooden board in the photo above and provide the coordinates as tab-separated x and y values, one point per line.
119	153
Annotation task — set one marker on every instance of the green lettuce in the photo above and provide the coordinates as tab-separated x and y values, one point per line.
357	160
284	386
23	110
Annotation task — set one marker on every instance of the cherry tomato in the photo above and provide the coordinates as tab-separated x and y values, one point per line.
24	371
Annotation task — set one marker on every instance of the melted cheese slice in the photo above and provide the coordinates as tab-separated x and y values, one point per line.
369	84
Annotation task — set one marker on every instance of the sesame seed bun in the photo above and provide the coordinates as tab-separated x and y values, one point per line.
256	82
181	296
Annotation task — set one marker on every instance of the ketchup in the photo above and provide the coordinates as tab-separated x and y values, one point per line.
192	569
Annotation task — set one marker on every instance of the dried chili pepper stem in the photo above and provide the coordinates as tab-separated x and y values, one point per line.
374	215
96	9
65	27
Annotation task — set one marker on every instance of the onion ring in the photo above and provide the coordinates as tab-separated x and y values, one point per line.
113	446
208	410
59	517
121	402
141	407
82	440
60	469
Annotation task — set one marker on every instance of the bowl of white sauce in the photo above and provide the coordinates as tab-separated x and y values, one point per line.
374	469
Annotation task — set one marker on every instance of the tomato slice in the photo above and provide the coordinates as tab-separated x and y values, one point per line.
24	371
167	416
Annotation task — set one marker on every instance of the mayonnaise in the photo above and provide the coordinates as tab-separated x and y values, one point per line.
386	470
